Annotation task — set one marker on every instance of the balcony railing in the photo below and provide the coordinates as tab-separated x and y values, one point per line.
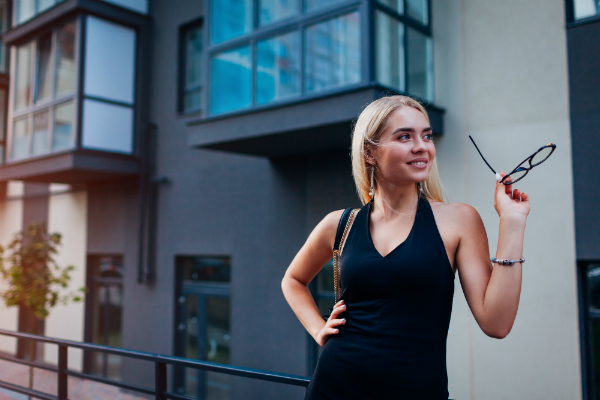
160	367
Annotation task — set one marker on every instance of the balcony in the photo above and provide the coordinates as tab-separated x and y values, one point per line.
77	107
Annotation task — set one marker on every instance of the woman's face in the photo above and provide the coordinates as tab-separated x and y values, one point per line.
405	151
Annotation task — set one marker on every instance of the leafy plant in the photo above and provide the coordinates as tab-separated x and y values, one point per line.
33	278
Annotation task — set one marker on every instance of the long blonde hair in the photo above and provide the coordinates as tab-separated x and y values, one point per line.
368	129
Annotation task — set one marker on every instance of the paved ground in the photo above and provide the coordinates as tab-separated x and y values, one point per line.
45	381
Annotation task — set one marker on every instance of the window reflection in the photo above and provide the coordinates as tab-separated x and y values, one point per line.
20	139
230	19
27	9
311	5
397	5
586	8
192	84
333	53
419	10
65	69
63	126
420	65
23	77
278	68
44	69
390	51
276	10
231	80
39	141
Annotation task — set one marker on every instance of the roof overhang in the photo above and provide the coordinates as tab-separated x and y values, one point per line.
309	126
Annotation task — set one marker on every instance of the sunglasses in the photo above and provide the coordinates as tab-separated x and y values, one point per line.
521	170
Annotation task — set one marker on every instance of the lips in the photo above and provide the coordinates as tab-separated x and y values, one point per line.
418	161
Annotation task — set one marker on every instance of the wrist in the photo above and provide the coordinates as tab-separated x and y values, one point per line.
513	218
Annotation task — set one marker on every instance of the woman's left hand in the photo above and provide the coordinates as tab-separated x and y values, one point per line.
509	201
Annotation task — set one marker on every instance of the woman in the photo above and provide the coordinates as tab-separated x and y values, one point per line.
386	337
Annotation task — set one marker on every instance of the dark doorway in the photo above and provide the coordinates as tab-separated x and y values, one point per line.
203	329
104	309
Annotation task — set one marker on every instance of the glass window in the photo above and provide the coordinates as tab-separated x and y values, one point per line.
586	8
397	5
191	87
390	51
276	10
39	142
206	269
107	126
278	68
229	19
3	109
418	10
109	60
332	55
23	77
231	80
420	65
27	9
322	288
66	75
140	6
62	134
311	5
20	139
4	25
44	67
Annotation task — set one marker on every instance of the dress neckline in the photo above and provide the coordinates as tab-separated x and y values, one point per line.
412	229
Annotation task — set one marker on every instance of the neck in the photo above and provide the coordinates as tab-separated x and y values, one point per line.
395	201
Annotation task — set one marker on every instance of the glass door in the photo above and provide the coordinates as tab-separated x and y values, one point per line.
203	330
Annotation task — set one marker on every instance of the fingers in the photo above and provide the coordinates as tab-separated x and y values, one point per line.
338	309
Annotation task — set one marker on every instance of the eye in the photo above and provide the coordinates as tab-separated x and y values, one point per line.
428	136
404	136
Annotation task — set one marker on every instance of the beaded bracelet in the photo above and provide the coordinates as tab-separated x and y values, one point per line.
507	261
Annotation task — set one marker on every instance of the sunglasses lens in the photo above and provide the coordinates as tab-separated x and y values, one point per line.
541	156
515	176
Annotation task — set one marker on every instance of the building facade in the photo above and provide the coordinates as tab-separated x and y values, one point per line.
185	150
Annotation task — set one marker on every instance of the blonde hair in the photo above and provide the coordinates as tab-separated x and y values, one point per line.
368	129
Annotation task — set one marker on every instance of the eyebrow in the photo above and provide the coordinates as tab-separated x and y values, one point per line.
408	129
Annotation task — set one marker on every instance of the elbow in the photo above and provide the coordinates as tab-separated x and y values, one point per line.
498	332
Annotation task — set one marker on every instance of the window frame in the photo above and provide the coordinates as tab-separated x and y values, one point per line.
51	104
570	15
182	64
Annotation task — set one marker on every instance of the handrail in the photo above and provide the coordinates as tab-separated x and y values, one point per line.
160	360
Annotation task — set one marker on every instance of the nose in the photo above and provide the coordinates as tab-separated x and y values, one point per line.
419	145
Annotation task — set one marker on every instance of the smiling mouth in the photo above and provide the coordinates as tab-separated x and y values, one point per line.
417	163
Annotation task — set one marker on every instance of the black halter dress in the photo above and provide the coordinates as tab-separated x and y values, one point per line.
393	345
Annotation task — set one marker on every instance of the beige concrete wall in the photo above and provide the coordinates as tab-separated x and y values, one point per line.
67	214
501	74
11	221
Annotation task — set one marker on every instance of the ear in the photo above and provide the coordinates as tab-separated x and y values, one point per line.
369	156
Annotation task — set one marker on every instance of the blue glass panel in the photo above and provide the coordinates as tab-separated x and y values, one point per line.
420	65
418	9
390	51
333	53
231	80
316	4
397	5
586	8
275	10
229	19
278	68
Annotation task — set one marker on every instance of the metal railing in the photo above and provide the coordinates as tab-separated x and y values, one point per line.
160	367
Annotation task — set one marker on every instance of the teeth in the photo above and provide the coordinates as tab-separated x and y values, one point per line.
418	163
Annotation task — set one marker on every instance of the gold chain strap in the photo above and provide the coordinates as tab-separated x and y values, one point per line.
337	255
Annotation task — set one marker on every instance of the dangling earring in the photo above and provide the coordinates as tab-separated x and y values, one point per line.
421	188
371	191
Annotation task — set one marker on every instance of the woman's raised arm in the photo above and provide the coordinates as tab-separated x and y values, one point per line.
493	292
315	253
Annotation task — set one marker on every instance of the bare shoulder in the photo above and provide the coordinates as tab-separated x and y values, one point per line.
327	228
457	215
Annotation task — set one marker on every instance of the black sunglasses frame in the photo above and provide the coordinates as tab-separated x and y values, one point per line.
519	168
